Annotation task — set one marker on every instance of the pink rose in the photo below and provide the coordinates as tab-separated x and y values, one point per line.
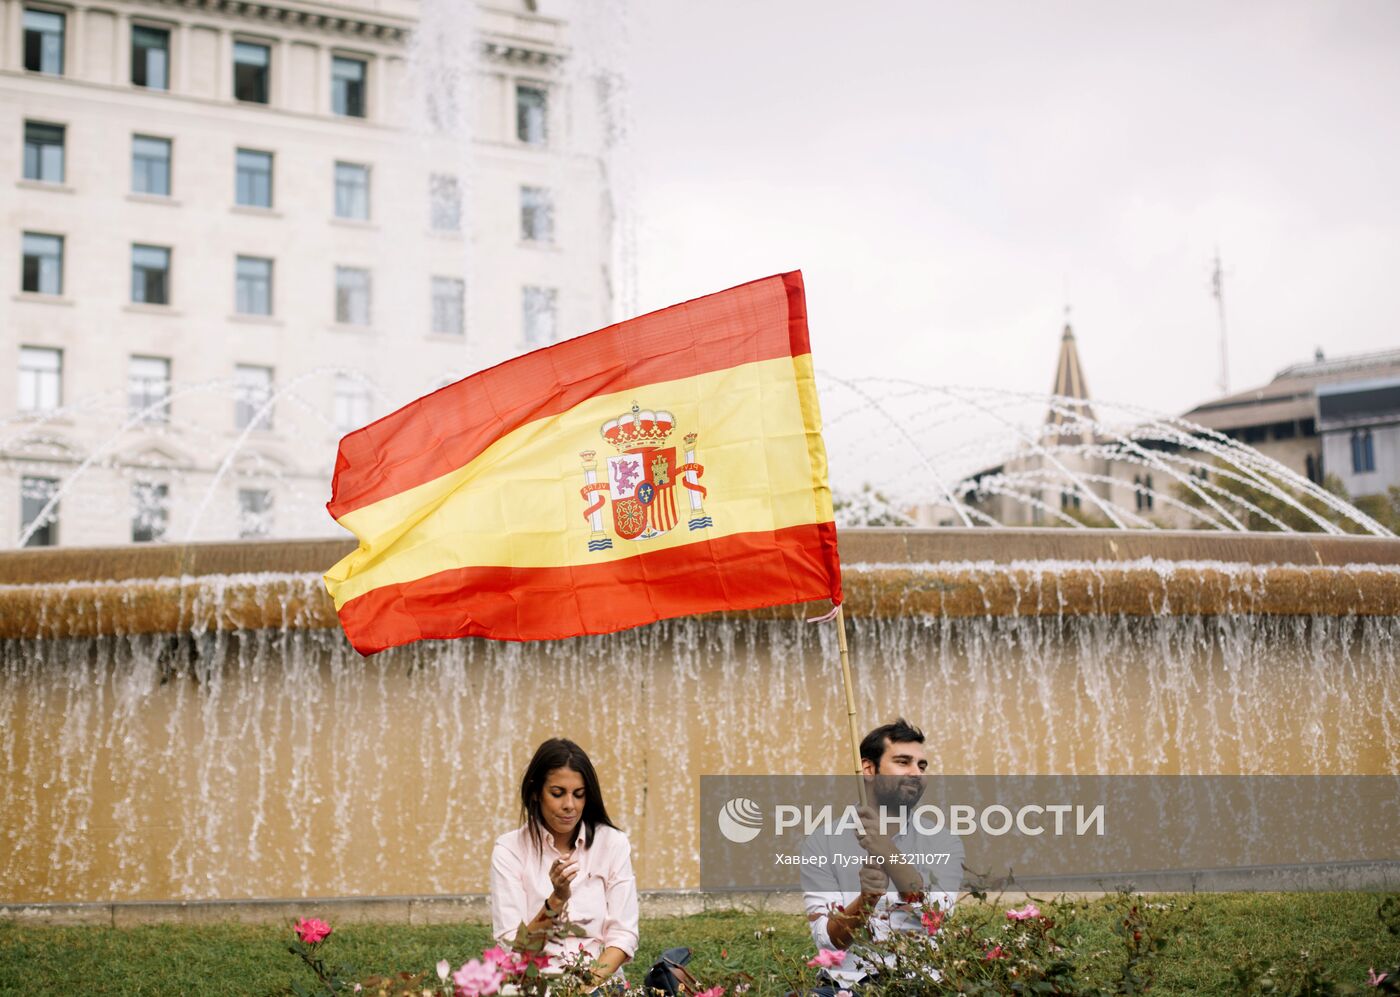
1024	914
933	920
477	979
995	952
826	958
508	962
712	992
311	930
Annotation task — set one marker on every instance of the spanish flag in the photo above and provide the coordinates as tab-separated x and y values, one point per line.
668	465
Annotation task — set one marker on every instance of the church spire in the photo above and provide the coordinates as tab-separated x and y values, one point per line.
1069	381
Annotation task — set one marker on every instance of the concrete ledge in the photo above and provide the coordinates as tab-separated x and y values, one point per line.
58	915
153	589
468	908
35	566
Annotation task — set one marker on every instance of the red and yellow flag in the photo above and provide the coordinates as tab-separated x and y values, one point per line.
668	465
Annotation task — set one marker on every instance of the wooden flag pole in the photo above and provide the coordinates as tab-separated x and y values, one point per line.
850	702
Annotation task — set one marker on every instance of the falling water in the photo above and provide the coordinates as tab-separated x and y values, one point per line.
232	762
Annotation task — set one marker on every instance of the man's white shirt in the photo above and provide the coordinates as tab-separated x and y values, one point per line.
830	880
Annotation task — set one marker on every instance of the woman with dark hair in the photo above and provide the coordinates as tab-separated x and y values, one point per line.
567	861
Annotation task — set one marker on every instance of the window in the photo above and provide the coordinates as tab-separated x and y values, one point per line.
40	379
43	263
253	286
148	388
446	203
254	183
251	70
1363	451
536	215
43	152
252	390
351	403
540	308
150	165
1147	493
34	494
43	41
531	105
351	191
150	57
150	516
1310	467
348	87
351	296
254	513
448	298
150	275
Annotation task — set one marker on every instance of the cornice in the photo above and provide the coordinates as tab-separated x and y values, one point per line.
345	23
519	55
349	23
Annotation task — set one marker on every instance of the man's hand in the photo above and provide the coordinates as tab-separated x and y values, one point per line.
906	878
869	837
874	881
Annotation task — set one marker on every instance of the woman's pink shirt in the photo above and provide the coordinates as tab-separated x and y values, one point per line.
603	895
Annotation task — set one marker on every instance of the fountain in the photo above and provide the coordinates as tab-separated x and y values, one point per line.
186	722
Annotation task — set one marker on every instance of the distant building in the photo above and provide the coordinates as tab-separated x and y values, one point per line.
1327	417
235	231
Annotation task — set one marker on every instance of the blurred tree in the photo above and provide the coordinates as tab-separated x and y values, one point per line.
1382	508
867	507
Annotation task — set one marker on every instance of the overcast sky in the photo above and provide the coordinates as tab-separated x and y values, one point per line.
949	175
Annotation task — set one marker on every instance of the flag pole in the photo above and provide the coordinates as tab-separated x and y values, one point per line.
850	702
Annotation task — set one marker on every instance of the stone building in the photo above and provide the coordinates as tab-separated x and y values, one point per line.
1325	417
235	231
1064	474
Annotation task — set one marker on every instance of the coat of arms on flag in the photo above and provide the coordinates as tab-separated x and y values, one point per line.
642	479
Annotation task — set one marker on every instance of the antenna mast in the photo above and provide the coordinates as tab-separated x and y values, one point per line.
1217	284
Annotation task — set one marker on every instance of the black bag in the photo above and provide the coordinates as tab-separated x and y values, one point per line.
669	975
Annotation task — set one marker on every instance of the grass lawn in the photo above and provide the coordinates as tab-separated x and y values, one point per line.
1339	930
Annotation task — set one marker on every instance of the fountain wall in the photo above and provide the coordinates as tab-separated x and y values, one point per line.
187	722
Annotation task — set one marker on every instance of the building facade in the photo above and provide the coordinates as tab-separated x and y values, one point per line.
1337	418
236	231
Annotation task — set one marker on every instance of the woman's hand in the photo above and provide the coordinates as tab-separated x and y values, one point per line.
561	876
604	967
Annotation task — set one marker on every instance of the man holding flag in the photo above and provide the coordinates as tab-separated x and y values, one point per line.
898	889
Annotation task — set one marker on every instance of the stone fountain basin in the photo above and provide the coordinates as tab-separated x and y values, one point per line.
186	723
170	588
